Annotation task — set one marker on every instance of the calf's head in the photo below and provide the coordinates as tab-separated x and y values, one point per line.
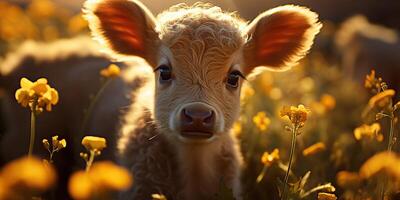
200	56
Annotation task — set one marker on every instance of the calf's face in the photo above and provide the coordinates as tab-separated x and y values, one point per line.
201	56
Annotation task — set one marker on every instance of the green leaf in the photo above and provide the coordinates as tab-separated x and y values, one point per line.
304	179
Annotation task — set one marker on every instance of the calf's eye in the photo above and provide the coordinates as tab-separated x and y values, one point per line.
165	73
233	79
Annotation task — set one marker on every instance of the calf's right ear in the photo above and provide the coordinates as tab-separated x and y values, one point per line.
279	38
124	27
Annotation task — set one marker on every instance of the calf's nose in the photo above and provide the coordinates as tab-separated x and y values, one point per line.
197	120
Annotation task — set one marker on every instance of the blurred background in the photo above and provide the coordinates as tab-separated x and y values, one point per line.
357	36
370	33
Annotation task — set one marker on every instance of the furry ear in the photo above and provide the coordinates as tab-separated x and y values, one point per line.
125	27
279	38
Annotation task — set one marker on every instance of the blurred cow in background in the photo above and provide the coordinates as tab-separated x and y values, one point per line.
363	46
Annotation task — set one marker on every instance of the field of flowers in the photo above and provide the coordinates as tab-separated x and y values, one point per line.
309	133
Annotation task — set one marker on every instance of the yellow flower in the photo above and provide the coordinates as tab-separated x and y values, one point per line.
54	140
62	144
23	97
261	121
237	129
104	177
370	80
41	9
80	186
3	190
269	158
297	115
58	144
369	131
46	144
386	162
48	99
306	84
37	95
28	174
39	87
275	93
247	92
381	99
158	197
94	143
266	81
328	101
77	24
347	179
313	149
326	196
111	71
108	175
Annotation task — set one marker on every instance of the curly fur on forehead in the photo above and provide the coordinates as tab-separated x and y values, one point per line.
201	21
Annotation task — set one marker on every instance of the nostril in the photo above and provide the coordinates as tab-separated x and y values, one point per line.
210	118
186	116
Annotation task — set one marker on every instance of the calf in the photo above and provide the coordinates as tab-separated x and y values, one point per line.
176	136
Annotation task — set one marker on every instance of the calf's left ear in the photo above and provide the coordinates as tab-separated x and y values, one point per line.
279	38
124	27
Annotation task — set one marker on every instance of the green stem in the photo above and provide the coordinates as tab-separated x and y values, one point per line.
292	148
90	161
390	143
262	174
32	135
89	111
389	148
51	157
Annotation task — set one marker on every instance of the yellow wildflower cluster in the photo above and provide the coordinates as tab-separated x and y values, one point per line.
41	9
237	129
382	99
369	131
94	143
15	24
37	95
373	83
56	145
103	178
313	149
111	71
325	104
261	121
269	158
328	101
77	24
297	115
25	177
386	163
246	92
